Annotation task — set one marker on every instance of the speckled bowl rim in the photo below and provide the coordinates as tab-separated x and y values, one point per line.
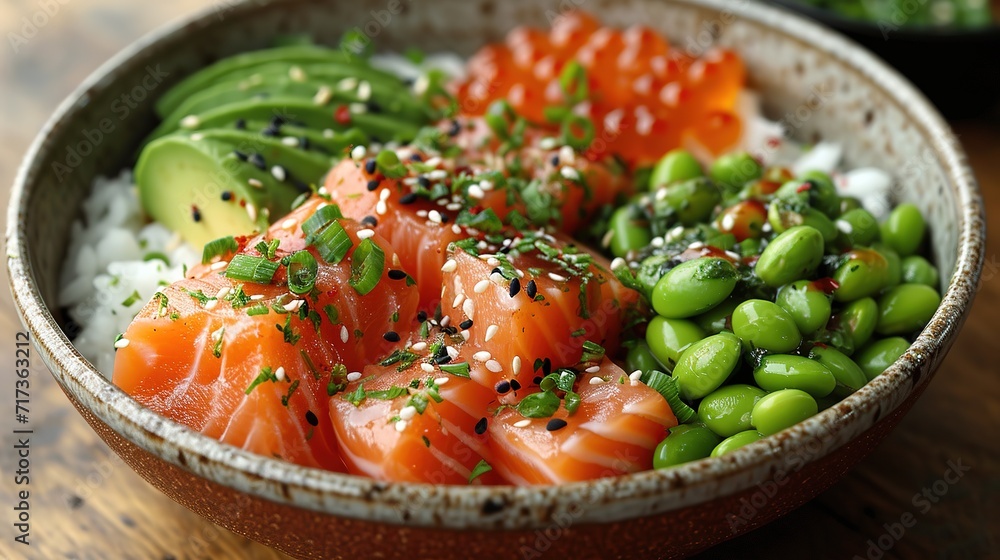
634	495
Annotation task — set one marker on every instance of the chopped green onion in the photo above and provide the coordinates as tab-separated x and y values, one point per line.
486	221
302	271
319	219
592	352
156	255
404	358
667	386
238	298
389	394
539	405
367	266
355	42
332	242
251	269
577	132
573	82
130	300
461	369
259	309
500	117
265	375
571	401
389	165
481	468
218	247
331	313
357	396
291	391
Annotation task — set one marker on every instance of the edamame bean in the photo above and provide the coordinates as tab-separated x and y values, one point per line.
717	319
848	203
904	229
822	193
745	220
693	287
860	227
685	443
807	304
790	256
629	232
782	409
848	374
667	338
918	270
879	355
765	325
857	320
784	371
906	308
691	201
736	441
676	165
706	364
640	357
726	411
895	264
862	273
783	214
736	169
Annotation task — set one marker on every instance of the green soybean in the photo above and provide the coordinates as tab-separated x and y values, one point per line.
667	338
706	364
640	357
782	409
717	319
807	304
629	232
822	193
895	264
726	411
904	229
848	203
860	227
685	443
879	355
765	325
676	165
690	201
858	320
693	287
736	441
790	256
784	371
848	374
736	169
918	270
862	273
906	308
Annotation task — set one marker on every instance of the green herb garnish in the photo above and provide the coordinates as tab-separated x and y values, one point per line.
367	265
302	271
258	270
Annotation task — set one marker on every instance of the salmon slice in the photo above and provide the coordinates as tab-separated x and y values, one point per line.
414	423
614	431
253	364
532	306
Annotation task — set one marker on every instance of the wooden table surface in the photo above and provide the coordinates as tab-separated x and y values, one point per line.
85	503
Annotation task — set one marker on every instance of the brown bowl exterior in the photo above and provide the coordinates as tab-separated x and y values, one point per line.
818	85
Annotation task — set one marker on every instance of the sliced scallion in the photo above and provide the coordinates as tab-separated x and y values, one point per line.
366	267
461	369
389	165
331	242
667	386
218	247
302	271
251	269
320	218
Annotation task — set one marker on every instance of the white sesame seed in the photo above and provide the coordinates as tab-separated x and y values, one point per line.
343	333
278	172
419	346
290	141
453	206
354	376
455	229
548	143
364	91
395	260
617	263
458	301
328	133
515	365
121	342
358	152
401	426
384	194
252	212
522	423
433	162
427	367
222	292
593	369
496	278
465	334
845	226
210	304
481	286
347	84
492	261
219	265
635	375
407	412
475	191
256	297
190	121
469	308
437	175
365	233
279	373
566	155
381	208
289	223
297	74
494	366
434	216
660	195
449	266
491	331
441	380
445	321
596	380
323	95
422	213
482	356
293	305
569	173
657	242
557	277
197	136
452	351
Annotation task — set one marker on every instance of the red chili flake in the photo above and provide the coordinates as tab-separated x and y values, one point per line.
803	188
342	114
773	142
243	203
826	285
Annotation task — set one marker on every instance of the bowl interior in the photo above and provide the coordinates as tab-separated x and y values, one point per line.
816	84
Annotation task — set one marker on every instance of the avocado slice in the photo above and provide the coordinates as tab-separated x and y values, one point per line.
202	190
329	142
301	167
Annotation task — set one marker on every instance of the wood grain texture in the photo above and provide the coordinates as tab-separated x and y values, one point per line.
85	503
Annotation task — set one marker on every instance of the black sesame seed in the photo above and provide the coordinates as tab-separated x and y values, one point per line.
515	287
227	195
555	424
455	128
416	157
304	143
503	387
396	274
423	181
555	161
258	161
466	324
537	380
299	185
391	336
240	155
444	218
547	366
270	132
421	316
372	185
369	221
504	250
408	198
374	107
370	165
515	385
496	270
449	330
481	426
276	122
311	418
531	289
195	214
442	359
241	124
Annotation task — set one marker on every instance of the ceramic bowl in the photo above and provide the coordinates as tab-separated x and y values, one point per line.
818	84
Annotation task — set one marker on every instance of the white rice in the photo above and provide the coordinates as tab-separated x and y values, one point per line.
109	246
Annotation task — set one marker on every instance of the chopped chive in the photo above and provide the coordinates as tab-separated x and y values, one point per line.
251	269
238	298
156	255
266	374
592	352
218	247
389	165
320	218
331	242
331	313
667	386
199	296
302	271
259	309
131	299
291	391
366	267
309	364
461	369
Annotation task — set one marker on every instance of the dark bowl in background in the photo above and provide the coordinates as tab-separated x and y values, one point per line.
958	69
